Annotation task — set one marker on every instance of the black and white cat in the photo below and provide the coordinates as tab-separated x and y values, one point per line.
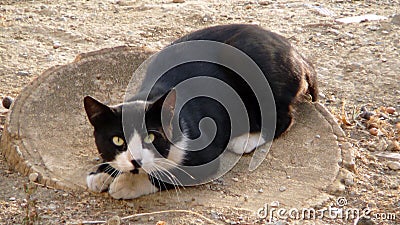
133	165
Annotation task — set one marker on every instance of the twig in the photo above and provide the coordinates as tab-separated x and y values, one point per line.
153	213
170	211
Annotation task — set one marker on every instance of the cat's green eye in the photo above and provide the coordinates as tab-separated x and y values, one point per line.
118	141
149	138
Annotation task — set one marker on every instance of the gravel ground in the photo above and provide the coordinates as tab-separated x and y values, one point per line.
358	66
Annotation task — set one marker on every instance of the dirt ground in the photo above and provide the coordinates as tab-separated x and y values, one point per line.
358	66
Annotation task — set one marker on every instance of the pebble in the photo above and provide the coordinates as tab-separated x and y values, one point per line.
130	204
151	218
52	207
115	220
7	102
396	19
261	190
282	189
349	180
33	177
393	146
214	215
393	165
12	199
318	136
178	1
337	188
275	204
235	179
390	110
56	44
374	131
23	73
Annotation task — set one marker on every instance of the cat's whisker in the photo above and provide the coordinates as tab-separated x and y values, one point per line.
175	181
157	177
173	164
96	166
114	172
176	187
170	175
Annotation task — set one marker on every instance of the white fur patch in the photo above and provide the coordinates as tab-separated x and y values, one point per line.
129	186
98	182
177	152
246	143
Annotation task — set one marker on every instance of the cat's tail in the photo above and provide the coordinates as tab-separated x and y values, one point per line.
308	82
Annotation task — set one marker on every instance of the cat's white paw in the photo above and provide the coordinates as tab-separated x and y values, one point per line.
129	186
98	182
245	143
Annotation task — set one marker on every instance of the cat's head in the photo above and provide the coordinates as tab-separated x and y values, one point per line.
147	146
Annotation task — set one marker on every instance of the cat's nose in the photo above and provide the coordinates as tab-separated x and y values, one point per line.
137	163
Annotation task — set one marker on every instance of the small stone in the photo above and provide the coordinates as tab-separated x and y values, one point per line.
374	131
396	19
235	179
151	218
393	146
33	177
393	165
23	73
65	194
52	207
390	110
275	204
12	199
115	220
261	190
366	115
318	136
56	44
282	189
349	180
280	222
7	102
178	1
214	215
337	188
130	204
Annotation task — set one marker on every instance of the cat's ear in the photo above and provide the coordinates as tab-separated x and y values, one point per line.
96	111
165	104
169	103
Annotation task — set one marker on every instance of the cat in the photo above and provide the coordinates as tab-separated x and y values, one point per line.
134	166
